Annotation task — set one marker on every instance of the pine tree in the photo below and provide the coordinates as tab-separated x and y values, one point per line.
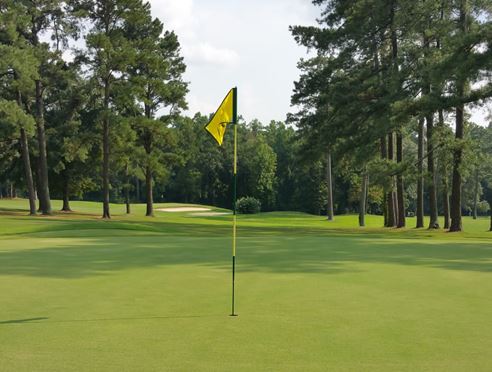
156	82
18	71
70	142
44	16
108	55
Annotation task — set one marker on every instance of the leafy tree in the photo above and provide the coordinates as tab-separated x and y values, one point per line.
257	163
487	190
486	181
70	142
340	87
377	69
18	71
108	55
156	80
21	125
281	139
186	175
44	16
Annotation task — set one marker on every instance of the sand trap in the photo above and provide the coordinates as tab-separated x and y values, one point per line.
183	209
209	214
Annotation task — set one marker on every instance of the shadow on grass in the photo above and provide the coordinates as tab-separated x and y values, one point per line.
277	254
44	320
20	321
14	212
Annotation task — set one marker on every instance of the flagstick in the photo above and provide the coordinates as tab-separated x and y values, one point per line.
234	202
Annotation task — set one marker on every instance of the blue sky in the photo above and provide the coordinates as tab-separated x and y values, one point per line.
243	43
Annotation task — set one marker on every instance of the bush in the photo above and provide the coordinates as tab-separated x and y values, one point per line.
248	205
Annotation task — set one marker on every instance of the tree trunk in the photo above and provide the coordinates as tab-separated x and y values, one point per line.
490	207
391	197
127	201
384	155
445	201
475	196
420	179
127	190
429	117
399	183
383	147
148	188
329	183
456	220
394	195
148	172
28	172
445	187
434	222
40	201
27	164
66	193
66	202
456	223
363	199
137	189
43	192
43	186
106	152
399	197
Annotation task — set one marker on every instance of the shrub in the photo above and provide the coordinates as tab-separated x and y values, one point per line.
248	205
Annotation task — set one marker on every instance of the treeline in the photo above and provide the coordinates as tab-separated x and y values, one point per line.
98	112
92	93
388	92
90	108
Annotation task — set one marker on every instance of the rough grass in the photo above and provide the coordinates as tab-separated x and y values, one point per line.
134	293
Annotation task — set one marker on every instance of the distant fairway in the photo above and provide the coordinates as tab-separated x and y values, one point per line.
140	294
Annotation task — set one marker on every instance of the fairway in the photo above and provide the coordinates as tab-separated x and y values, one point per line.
82	294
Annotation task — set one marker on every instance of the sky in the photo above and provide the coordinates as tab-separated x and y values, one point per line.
243	43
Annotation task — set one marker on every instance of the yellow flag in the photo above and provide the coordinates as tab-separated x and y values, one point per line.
224	115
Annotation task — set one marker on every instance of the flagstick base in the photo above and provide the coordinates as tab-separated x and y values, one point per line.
233	312
234	315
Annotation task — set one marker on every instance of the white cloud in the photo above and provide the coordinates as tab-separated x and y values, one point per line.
206	105
207	53
182	17
176	14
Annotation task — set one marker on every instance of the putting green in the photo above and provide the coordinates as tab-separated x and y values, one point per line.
143	294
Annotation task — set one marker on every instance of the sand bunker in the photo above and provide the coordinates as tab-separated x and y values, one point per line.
183	209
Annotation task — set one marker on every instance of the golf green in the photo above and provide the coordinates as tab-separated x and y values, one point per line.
153	294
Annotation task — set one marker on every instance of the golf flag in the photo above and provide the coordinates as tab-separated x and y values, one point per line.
225	114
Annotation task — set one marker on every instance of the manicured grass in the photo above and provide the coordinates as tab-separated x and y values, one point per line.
152	294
